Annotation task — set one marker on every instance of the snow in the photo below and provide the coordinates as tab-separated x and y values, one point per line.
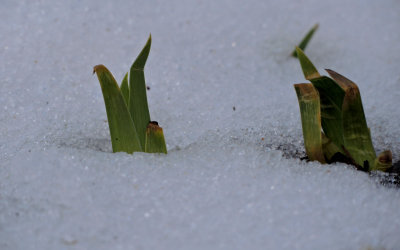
232	179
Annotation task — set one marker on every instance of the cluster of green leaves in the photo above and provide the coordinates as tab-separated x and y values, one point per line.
127	110
334	104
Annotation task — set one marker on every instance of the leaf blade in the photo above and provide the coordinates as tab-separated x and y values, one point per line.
138	106
125	89
356	134
309	70
331	97
122	130
303	44
309	104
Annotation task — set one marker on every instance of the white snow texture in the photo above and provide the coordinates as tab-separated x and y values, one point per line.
233	178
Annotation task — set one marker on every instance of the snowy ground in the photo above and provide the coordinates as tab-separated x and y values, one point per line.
221	186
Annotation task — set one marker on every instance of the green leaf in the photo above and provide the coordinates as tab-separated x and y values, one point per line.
125	89
306	39
331	97
309	70
155	142
309	103
122	130
356	135
138	106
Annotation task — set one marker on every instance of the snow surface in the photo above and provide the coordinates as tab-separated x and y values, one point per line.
221	186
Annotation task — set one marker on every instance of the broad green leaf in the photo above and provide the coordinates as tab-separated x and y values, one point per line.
306	39
309	103
125	89
331	97
138	106
155	142
383	162
356	135
309	70
122	130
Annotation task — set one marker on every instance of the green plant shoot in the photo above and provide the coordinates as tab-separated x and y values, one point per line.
345	130
127	109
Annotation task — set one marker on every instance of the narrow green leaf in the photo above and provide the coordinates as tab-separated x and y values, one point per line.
142	57
125	89
309	70
122	130
306	39
356	134
138	106
155	142
383	162
331	97
309	103
308	36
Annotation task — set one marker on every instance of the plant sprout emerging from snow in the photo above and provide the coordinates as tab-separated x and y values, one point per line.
303	44
127	110
335	105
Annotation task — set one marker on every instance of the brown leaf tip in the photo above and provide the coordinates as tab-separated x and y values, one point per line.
98	67
335	74
154	123
153	126
344	82
306	91
385	157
